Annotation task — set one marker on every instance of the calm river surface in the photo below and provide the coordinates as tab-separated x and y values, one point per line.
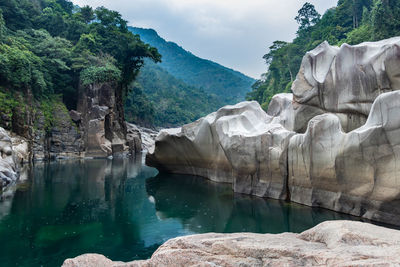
125	210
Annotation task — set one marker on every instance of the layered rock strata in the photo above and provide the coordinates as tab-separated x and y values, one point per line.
238	144
102	120
333	243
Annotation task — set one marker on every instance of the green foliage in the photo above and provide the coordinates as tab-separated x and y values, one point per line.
99	74
228	85
307	16
351	21
50	47
173	101
47	108
7	103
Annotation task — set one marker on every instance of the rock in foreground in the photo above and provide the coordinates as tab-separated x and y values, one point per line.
332	243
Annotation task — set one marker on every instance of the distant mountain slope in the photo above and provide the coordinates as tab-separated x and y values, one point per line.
229	85
160	99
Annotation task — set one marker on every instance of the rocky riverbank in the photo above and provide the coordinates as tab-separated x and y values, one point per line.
333	143
332	243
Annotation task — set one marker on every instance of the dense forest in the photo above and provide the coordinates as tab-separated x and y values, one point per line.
182	88
228	85
49	48
351	21
158	98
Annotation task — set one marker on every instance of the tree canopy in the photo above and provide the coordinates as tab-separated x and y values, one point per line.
51	47
351	21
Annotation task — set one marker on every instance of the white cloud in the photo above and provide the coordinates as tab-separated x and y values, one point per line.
234	33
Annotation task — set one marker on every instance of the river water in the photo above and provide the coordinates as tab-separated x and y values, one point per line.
126	210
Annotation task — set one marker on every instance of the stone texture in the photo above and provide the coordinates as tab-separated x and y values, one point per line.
239	144
356	172
8	166
21	148
65	140
102	119
345	81
148	138
75	116
332	243
133	138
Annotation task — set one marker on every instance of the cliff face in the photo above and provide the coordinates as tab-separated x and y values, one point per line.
43	131
344	100
102	120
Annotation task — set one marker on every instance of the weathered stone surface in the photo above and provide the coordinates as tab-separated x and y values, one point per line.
133	138
356	172
332	243
148	137
345	81
239	144
65	140
102	119
8	166
22	153
75	115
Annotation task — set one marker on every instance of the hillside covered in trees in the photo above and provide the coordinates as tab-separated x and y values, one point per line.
351	21
182	88
228	85
158	98
49	48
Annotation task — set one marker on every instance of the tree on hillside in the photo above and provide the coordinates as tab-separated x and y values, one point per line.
351	21
307	16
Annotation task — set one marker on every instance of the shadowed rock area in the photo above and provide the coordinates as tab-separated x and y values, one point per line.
332	243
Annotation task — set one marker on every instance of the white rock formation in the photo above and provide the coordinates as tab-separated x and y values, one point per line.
238	144
8	166
345	81
333	243
356	172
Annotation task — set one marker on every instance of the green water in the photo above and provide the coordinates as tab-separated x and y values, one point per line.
124	210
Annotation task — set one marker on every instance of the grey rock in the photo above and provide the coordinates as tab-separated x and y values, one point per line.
332	243
357	172
345	81
8	165
103	126
238	144
75	115
134	138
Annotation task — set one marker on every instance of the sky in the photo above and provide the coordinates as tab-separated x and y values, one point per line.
233	33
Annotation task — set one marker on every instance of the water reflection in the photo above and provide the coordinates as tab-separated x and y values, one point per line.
205	206
112	207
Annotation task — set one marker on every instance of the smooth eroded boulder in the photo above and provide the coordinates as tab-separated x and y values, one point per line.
331	243
238	144
8	166
356	172
345	80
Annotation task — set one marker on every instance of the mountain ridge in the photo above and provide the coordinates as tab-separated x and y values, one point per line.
229	85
